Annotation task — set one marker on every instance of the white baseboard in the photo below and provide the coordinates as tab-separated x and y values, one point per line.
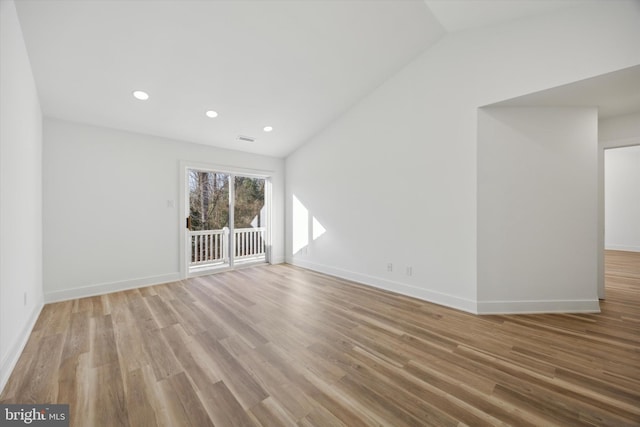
388	285
10	360
625	248
277	260
537	307
474	307
106	288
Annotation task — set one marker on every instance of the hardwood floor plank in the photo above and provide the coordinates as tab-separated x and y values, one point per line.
156	394
79	396
269	413
244	387
196	413
234	321
103	343
292	399
77	342
320	417
434	406
54	318
140	311
138	402
25	360
161	358
40	384
341	406
224	409
173	413
190	317
108	403
377	403
279	345
130	345
160	311
182	347
499	411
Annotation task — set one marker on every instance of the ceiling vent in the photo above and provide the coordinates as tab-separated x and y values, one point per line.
245	138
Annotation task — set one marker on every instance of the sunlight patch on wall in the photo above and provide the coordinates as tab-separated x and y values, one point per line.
306	228
317	229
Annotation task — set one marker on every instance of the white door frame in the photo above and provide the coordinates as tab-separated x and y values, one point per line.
232	171
602	147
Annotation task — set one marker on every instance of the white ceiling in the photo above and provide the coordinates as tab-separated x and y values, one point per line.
294	65
458	15
616	93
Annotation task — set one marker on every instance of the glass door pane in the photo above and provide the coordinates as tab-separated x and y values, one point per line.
250	219
208	220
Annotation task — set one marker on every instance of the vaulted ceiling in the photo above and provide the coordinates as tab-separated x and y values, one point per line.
292	65
614	94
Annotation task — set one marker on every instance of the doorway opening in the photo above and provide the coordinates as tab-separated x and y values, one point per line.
622	198
619	227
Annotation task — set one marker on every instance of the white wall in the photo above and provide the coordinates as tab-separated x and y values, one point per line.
537	209
394	179
614	130
20	193
622	198
107	220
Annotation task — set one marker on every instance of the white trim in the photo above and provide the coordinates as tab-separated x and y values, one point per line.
12	356
268	203
539	307
208	271
232	219
183	193
230	170
622	248
485	307
106	288
388	285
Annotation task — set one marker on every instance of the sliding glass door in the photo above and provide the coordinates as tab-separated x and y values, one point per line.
249	219
226	221
208	220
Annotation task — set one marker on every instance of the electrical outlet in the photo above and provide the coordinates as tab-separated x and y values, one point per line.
390	267
409	271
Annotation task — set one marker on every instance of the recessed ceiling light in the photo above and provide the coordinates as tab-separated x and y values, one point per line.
141	95
211	114
267	129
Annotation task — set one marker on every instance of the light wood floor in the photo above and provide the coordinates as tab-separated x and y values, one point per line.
278	345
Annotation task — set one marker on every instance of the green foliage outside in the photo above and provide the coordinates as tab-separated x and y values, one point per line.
209	200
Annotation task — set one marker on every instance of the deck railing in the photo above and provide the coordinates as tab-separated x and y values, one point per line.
209	246
249	242
212	246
